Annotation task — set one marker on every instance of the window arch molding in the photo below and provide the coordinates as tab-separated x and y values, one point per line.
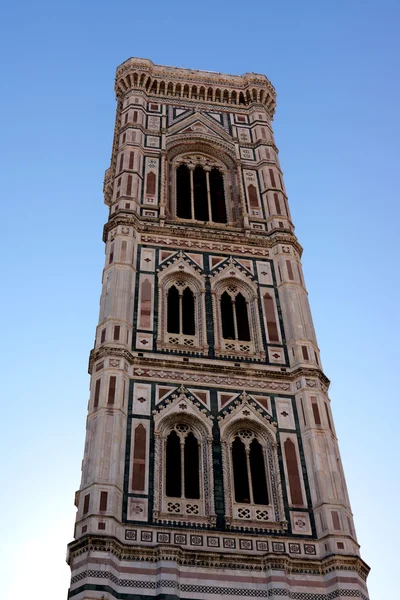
252	513
182	280
219	154
200	186
234	286
180	508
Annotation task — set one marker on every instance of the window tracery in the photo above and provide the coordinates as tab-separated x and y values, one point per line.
252	486
182	312
200	189
236	320
184	478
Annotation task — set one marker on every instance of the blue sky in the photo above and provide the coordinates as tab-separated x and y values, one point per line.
335	69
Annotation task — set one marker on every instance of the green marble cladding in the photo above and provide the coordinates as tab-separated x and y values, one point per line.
217	455
206	272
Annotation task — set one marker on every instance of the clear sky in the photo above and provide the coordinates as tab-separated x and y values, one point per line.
335	66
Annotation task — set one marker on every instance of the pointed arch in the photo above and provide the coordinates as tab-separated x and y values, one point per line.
292	467
173	316
272	325
183	472
173	466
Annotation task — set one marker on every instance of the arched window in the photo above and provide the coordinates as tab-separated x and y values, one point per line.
191	460
182	450
240	474
173	317
200	194
183	193
173	462
249	472
183	465
218	208
181	319
180	311
234	317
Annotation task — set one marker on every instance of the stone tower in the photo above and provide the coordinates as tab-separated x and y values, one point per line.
211	465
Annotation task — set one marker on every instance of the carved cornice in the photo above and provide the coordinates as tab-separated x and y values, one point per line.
157	80
222	560
188	234
249	372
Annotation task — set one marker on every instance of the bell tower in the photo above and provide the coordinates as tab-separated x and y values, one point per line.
211	465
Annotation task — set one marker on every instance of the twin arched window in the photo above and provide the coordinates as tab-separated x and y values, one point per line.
181	311
182	464
249	472
200	194
234	317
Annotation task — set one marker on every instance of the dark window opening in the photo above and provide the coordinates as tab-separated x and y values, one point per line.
191	459
103	500
258	478
183	196
173	484
218	208
242	318
228	327
188	323
200	194
240	476
86	501
173	310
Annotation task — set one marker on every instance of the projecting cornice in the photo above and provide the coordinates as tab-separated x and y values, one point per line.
248	372
222	560
213	239
208	86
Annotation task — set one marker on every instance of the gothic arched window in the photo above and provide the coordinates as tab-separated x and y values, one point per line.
252	488
249	473
234	317
181	311
200	194
183	465
182	474
181	319
173	466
